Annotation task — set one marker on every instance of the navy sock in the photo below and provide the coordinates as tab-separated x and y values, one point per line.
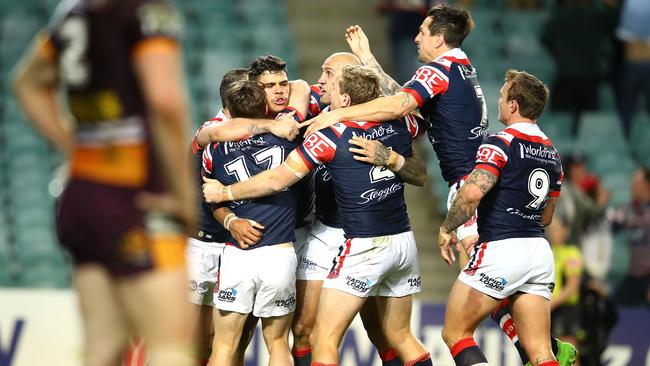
467	353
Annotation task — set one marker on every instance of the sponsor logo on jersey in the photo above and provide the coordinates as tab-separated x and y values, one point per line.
238	145
289	302
515	211
199	288
227	295
491	154
432	79
495	283
477	132
378	133
379	194
306	263
361	285
415	281
539	152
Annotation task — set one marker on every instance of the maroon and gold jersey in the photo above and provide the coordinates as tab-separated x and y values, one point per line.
95	44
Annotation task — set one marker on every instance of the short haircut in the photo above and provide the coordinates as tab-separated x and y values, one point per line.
230	77
454	24
246	99
361	83
530	93
268	63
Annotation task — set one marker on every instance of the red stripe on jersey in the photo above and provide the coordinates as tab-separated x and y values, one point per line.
334	273
509	328
462	345
554	194
364	125
462	61
315	88
526	137
307	162
415	95
489	168
301	118
506	141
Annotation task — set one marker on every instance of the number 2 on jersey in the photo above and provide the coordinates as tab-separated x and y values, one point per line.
538	187
74	68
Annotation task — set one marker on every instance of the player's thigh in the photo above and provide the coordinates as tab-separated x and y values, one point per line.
307	297
466	308
336	310
104	319
276	328
228	328
157	304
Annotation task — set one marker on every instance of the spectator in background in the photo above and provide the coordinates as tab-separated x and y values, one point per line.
404	18
634	218
577	208
575	35
634	31
565	312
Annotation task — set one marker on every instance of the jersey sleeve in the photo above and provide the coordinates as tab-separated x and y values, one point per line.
492	155
415	125
196	148
315	105
207	160
556	186
297	116
318	148
154	20
428	81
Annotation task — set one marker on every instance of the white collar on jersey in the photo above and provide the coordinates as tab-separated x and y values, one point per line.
531	129
221	115
456	53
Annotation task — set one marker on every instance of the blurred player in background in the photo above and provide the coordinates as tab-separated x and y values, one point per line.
515	186
125	211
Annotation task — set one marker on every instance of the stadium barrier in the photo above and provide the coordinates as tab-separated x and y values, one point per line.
43	327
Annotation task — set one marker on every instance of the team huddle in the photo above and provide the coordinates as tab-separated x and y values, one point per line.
302	223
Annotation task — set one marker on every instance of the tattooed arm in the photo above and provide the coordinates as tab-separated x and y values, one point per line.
549	210
412	170
242	128
360	46
479	182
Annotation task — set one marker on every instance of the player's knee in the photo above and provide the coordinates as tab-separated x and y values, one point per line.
107	351
450	336
397	334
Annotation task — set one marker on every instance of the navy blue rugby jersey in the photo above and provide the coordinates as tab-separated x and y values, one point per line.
233	162
529	171
208	228
451	101
370	198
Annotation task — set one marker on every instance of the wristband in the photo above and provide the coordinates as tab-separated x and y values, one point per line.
226	194
228	220
395	162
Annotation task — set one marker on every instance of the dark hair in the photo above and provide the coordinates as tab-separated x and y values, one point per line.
454	24
268	63
246	99
230	77
361	83
646	174
530	93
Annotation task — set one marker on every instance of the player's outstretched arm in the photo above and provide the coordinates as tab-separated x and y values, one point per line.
245	232
242	128
412	170
299	97
380	109
35	86
360	46
264	184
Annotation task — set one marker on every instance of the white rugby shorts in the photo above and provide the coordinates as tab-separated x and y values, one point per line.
202	269
504	267
470	227
316	255
261	281
380	266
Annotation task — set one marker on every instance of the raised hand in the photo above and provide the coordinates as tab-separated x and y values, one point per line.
358	42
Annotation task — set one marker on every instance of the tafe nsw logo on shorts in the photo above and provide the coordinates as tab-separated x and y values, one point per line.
361	285
495	283
227	295
286	303
199	288
415	281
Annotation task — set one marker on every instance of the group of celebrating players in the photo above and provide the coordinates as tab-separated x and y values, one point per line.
303	222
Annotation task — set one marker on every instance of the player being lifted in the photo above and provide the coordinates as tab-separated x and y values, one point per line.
379	257
515	185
